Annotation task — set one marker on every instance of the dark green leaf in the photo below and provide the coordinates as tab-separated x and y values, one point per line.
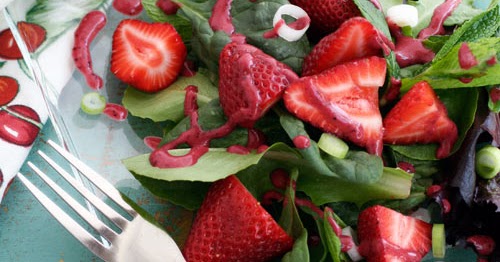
332	240
291	223
181	24
374	15
251	18
358	167
183	193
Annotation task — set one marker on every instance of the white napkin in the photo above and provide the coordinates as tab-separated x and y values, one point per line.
59	18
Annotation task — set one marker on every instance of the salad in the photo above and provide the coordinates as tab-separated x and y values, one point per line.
316	130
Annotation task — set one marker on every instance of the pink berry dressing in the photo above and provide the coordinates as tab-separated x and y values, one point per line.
466	58
89	27
128	7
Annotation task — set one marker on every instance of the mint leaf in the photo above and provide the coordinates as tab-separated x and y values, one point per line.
168	104
466	10
447	73
481	26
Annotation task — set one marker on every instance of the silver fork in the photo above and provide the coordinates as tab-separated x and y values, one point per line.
139	240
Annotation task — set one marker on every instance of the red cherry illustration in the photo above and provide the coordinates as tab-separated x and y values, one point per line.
18	125
33	35
8	89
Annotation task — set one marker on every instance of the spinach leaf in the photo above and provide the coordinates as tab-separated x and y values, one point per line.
181	24
332	241
393	184
359	167
186	194
250	18
290	221
253	19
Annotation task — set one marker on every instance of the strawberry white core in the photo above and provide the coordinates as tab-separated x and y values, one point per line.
286	31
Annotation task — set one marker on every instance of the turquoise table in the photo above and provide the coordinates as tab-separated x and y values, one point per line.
29	233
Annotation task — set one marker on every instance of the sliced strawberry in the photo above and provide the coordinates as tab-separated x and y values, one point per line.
343	100
386	235
327	15
232	226
356	38
250	82
148	56
420	117
33	36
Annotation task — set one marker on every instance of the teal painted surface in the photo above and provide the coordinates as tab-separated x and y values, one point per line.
27	230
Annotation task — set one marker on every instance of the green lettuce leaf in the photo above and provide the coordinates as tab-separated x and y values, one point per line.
393	184
168	104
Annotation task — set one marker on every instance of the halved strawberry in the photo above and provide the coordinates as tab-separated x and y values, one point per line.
327	15
32	34
420	117
148	56
387	235
343	100
250	82
356	38
232	226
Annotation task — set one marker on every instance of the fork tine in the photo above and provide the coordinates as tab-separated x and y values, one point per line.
101	183
66	221
99	226
114	216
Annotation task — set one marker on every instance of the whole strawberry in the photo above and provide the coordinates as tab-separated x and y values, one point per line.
250	82
231	225
327	15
